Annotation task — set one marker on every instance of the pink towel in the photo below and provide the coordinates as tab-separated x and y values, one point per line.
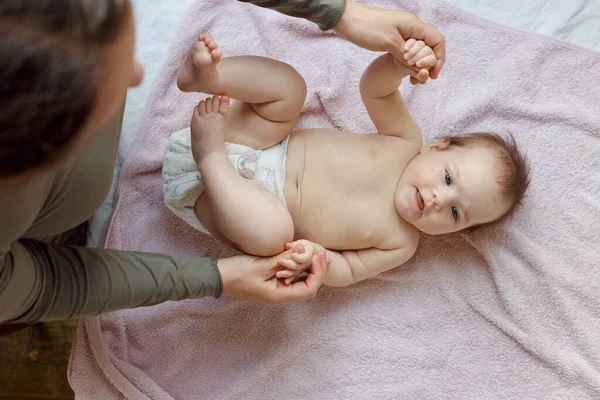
508	312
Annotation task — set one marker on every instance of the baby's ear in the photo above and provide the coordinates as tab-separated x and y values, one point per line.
439	145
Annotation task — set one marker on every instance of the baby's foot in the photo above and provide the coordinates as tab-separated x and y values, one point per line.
199	70
208	127
419	57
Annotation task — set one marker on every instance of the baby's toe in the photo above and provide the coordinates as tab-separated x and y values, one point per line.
215	104
209	105
224	106
215	55
201	108
205	37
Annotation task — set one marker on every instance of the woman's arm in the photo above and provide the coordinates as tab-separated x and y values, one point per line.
372	28
324	13
44	282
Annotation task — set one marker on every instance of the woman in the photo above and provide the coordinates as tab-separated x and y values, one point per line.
66	67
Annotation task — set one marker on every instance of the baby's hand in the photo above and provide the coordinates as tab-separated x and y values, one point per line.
419	56
301	259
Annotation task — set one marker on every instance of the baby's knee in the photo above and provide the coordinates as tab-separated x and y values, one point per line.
296	85
299	86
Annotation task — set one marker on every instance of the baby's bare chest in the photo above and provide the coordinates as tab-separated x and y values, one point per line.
344	197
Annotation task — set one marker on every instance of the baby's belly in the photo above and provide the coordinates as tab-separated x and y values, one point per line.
348	227
336	197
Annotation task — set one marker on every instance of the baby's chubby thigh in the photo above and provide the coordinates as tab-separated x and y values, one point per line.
183	187
263	223
266	171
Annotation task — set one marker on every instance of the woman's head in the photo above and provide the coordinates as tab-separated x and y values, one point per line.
462	182
66	65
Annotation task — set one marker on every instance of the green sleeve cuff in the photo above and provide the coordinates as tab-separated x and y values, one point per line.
324	13
219	287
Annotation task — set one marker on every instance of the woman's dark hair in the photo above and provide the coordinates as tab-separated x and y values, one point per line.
51	65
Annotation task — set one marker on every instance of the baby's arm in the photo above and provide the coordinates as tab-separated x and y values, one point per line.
351	266
379	91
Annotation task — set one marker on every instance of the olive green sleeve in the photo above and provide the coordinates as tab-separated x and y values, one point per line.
324	13
43	282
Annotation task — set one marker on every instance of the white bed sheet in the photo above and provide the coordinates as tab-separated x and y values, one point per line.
577	21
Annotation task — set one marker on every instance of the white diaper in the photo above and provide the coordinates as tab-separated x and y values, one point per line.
182	183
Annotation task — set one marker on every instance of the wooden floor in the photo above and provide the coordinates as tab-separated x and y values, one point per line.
33	361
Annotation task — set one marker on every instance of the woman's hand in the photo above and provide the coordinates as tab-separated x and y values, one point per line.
380	29
254	279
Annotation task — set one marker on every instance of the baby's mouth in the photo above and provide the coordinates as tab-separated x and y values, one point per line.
420	201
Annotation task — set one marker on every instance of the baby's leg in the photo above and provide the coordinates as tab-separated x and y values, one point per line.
238	211
235	210
271	93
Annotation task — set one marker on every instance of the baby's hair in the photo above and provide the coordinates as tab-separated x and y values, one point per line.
513	173
52	66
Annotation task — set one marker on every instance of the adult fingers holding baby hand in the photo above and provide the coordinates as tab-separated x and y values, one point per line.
303	289
413	27
300	259
420	59
379	29
254	279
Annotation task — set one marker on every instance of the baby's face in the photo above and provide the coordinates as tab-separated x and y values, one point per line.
447	188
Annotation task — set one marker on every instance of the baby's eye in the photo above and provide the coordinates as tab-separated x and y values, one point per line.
448	178
454	213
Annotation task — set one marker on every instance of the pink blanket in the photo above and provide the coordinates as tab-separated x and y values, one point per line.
508	312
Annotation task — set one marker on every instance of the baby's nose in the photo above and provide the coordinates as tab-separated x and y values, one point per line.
438	200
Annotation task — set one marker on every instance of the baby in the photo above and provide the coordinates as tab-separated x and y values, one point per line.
242	175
